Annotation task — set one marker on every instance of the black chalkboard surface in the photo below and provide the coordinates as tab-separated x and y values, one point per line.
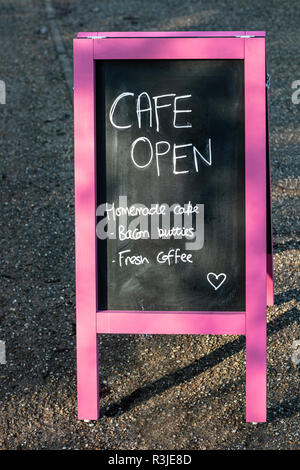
152	154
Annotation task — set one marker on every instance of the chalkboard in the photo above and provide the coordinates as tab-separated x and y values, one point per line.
170	134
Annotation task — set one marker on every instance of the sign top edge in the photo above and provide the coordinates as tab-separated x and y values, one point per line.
166	34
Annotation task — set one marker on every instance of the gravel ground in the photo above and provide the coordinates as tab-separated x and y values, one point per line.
157	392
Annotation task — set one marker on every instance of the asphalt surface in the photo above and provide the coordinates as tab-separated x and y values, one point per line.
157	392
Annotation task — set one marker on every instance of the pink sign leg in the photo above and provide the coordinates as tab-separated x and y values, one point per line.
270	286
85	214
255	140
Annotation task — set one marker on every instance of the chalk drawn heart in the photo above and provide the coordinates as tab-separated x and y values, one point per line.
216	280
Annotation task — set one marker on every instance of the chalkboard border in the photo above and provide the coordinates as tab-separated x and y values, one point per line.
176	48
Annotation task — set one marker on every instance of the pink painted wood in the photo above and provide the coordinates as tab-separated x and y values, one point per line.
160	34
169	48
255	148
85	240
173	323
270	271
89	322
270	281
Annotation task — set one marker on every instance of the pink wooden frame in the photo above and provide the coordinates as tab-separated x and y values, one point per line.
252	322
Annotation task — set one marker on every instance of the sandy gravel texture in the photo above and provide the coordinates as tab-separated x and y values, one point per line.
157	392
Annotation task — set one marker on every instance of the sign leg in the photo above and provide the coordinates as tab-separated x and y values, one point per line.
256	228
85	235
270	287
256	373
87	373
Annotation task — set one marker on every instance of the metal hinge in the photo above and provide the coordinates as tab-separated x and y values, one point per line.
268	80
96	37
244	36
